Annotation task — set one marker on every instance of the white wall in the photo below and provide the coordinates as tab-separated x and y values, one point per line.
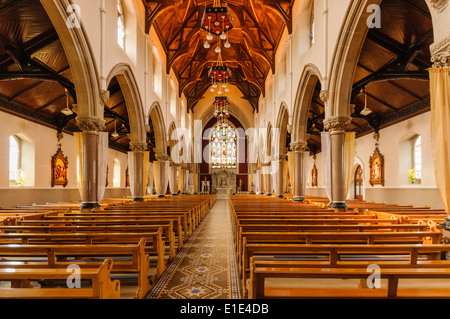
45	143
396	188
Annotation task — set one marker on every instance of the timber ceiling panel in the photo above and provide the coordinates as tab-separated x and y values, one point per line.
258	27
392	67
34	72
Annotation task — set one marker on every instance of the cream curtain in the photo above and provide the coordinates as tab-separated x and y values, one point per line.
102	163
145	170
150	179
326	161
78	144
440	131
349	154
291	166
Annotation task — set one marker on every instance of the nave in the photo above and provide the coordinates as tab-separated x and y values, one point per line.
246	247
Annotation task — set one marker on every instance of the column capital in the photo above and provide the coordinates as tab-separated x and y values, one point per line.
439	5
337	123
93	124
299	147
440	53
279	158
161	157
138	147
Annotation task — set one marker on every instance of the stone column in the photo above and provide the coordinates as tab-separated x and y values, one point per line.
279	165
160	174
184	180
90	126
337	127
138	178
173	178
299	178
268	181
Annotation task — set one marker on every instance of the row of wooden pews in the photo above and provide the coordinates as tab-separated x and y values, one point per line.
121	241
282	246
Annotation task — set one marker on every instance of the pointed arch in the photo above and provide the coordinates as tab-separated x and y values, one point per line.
282	126
128	85
308	81
80	57
156	115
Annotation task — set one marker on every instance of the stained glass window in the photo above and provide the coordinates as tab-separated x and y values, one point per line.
223	146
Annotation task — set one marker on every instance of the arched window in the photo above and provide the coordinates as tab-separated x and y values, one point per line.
312	25
116	173
21	161
14	160
417	157
157	72
224	146
120	25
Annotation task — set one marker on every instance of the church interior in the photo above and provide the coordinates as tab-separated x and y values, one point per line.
224	149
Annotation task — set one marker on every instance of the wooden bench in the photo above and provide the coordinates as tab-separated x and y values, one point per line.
338	255
101	285
100	225
259	274
86	256
154	243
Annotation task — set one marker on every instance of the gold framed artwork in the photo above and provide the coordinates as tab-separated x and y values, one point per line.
60	165
376	164
314	176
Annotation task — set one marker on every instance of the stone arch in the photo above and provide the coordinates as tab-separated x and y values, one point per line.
128	85
346	56
310	77
282	126
81	60
156	115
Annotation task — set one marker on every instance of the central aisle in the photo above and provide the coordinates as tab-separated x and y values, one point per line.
206	266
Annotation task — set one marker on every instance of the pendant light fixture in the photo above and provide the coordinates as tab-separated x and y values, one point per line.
115	134
67	111
366	110
217	22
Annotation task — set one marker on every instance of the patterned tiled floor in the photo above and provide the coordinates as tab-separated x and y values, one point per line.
205	268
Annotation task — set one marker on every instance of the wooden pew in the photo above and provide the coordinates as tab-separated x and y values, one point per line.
86	256
102	286
335	255
259	273
154	243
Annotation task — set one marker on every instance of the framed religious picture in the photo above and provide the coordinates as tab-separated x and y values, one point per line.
59	169
107	176
376	164
314	176
127	178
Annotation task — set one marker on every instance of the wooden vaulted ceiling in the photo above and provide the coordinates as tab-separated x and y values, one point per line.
392	68
258	27
35	74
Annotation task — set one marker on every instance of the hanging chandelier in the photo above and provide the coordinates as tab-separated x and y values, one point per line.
219	73
221	112
217	22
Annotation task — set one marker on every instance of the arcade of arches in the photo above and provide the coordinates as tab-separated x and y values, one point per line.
333	105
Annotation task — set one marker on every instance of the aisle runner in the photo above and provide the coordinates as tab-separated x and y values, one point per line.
205	268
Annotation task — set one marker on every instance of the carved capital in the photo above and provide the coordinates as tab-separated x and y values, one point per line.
299	147
94	124
440	53
337	123
138	147
161	157
439	5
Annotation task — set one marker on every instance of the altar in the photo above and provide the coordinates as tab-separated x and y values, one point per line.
223	182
